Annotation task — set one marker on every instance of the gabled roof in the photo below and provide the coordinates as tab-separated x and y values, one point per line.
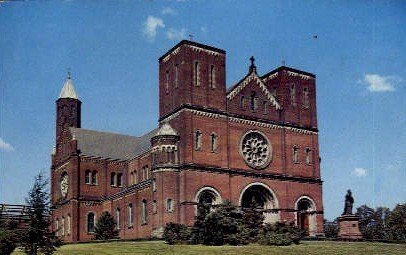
234	90
68	90
111	145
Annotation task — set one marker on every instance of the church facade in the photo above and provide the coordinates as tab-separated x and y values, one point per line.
255	141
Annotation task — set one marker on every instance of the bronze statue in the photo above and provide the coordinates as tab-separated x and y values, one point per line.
349	201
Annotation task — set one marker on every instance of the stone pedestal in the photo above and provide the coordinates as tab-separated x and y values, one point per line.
349	228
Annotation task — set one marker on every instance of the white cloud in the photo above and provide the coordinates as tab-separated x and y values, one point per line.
360	172
378	83
151	26
168	11
5	146
174	34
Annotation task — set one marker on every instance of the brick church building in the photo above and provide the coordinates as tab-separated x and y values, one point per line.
256	140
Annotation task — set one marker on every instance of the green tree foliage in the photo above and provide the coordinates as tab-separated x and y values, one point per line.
280	234
175	233
396	222
38	237
198	230
8	237
252	221
105	227
331	228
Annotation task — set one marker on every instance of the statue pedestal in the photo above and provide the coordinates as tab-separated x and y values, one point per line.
349	228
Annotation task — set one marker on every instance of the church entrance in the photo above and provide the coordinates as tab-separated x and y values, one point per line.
262	198
305	215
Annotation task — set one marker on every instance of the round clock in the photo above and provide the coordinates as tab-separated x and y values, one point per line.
64	184
256	149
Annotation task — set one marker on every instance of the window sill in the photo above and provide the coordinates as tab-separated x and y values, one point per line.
145	223
130	227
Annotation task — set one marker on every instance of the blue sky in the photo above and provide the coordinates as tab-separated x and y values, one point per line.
112	49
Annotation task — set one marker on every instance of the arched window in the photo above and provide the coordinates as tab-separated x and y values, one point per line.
306	98
266	107
113	179
176	75
309	156
198	140
196	73
254	101
130	215
144	212
213	142
293	94
87	177
90	222
167	82
119	179
135	177
295	154
57	227
118	217
63	226
154	207
169	205
212	77
94	177
242	102
68	223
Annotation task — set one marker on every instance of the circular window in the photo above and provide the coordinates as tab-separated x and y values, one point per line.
256	149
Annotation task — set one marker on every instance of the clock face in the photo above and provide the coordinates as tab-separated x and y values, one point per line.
256	149
64	184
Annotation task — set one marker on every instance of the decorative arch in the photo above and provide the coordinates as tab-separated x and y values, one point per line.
267	197
209	190
305	214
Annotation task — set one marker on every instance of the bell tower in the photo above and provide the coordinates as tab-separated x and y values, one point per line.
68	109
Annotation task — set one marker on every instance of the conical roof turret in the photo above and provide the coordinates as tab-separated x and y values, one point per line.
68	90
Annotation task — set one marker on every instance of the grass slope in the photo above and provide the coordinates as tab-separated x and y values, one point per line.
159	247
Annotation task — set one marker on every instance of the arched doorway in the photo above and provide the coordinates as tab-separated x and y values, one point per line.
305	215
263	198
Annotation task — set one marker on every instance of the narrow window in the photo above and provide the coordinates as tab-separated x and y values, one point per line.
57	227
212	77
169	205
113	179
167	82
90	222
154	207
87	177
94	177
146	172
242	102
130	215
266	107
144	211
118	217
68	222
131	178
309	156
153	184
63	226
176	75
306	98
254	102
198	140
197	74
135	177
293	94
273	92
119	179
295	154
214	142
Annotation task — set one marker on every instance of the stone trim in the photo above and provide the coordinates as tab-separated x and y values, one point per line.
302	76
270	77
246	81
208	114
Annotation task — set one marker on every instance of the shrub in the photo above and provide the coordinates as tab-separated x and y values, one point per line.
175	233
279	234
331	228
7	241
105	227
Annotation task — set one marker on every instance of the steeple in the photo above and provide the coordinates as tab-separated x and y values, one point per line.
68	90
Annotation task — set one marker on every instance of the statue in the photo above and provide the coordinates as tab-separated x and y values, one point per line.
349	201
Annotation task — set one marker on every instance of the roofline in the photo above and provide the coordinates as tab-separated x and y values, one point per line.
187	42
281	68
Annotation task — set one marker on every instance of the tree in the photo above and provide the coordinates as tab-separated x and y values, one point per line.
252	221
330	228
176	233
106	227
198	230
8	236
397	222
38	237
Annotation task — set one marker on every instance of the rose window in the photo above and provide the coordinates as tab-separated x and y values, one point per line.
256	149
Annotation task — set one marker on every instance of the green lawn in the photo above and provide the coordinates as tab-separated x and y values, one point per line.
159	247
